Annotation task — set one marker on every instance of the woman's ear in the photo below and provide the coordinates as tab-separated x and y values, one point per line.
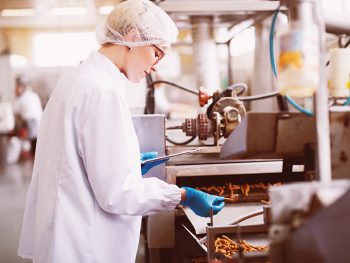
133	36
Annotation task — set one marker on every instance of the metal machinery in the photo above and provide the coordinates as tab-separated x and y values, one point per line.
259	150
222	116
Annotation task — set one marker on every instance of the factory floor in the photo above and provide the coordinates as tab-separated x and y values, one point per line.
14	182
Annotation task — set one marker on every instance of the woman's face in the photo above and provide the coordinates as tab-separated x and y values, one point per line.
141	61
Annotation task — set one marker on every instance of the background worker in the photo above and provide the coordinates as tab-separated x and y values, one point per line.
28	112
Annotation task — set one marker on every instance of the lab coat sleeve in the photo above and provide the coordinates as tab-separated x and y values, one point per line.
112	163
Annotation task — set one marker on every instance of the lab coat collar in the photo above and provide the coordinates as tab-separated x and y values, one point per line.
99	59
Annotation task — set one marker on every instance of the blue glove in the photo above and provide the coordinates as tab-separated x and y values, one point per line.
201	202
150	155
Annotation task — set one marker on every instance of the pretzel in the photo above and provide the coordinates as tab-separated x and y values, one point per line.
231	188
228	247
259	185
245	189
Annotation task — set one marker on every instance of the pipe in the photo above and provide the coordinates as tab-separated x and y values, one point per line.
204	53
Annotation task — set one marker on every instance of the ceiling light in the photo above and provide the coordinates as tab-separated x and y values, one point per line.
105	10
18	12
68	11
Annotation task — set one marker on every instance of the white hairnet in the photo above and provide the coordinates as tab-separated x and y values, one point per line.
137	23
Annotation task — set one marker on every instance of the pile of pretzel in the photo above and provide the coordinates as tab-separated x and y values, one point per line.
232	188
228	247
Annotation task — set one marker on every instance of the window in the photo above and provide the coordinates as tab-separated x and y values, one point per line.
62	49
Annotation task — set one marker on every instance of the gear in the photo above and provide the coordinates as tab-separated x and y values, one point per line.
189	127
203	126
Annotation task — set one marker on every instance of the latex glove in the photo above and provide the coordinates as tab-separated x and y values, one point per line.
150	155
201	202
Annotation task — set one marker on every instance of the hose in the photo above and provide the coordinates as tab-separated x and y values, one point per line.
181	143
174	85
247	216
259	97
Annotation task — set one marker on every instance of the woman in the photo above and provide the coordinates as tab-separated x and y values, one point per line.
87	193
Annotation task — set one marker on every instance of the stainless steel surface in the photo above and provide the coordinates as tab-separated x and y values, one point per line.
248	139
238	168
196	238
150	131
229	214
293	133
269	133
323	172
161	230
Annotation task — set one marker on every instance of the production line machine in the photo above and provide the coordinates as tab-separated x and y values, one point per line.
264	149
261	151
248	157
253	158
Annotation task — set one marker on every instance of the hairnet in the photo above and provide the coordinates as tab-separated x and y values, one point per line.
137	23
21	80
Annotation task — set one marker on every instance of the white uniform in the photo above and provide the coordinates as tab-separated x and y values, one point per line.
28	106
87	194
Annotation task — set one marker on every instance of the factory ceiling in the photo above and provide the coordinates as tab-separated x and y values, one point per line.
53	13
8	4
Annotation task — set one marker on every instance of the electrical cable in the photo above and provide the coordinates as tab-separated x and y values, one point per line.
347	43
150	99
174	85
181	143
233	86
259	97
273	64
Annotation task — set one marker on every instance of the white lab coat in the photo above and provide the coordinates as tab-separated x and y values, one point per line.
87	195
29	107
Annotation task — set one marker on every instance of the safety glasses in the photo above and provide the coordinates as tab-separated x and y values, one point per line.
159	54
